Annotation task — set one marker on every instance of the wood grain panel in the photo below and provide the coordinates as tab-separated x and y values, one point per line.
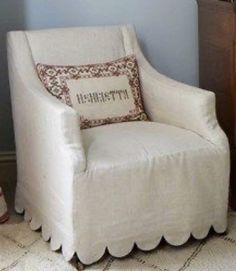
217	57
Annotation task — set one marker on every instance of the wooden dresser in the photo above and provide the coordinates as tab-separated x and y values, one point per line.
217	48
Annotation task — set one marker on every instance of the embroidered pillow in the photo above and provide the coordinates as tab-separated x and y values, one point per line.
101	93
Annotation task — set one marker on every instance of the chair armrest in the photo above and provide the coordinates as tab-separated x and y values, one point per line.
44	120
175	103
181	105
34	109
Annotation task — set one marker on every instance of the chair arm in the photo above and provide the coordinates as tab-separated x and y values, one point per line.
181	105
38	114
38	117
175	103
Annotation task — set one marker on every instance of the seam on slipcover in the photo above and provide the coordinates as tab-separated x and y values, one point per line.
135	165
29	46
126	42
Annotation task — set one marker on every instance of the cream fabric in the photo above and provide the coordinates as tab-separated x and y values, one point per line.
120	184
121	92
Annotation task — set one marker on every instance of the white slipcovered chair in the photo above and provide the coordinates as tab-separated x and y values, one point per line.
115	185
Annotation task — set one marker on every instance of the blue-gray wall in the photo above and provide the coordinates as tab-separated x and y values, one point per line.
167	30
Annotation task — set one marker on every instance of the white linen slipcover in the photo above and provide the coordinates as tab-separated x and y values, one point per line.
115	185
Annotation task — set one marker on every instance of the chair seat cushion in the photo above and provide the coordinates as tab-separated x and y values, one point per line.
131	143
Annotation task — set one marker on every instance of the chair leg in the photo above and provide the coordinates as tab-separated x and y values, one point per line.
76	263
80	266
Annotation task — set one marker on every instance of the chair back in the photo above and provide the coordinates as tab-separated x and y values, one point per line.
78	45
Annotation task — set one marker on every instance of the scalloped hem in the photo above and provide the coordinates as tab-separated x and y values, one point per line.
119	250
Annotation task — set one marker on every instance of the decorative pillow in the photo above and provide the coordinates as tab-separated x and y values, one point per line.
101	93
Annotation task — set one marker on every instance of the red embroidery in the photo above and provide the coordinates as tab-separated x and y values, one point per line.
4	217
